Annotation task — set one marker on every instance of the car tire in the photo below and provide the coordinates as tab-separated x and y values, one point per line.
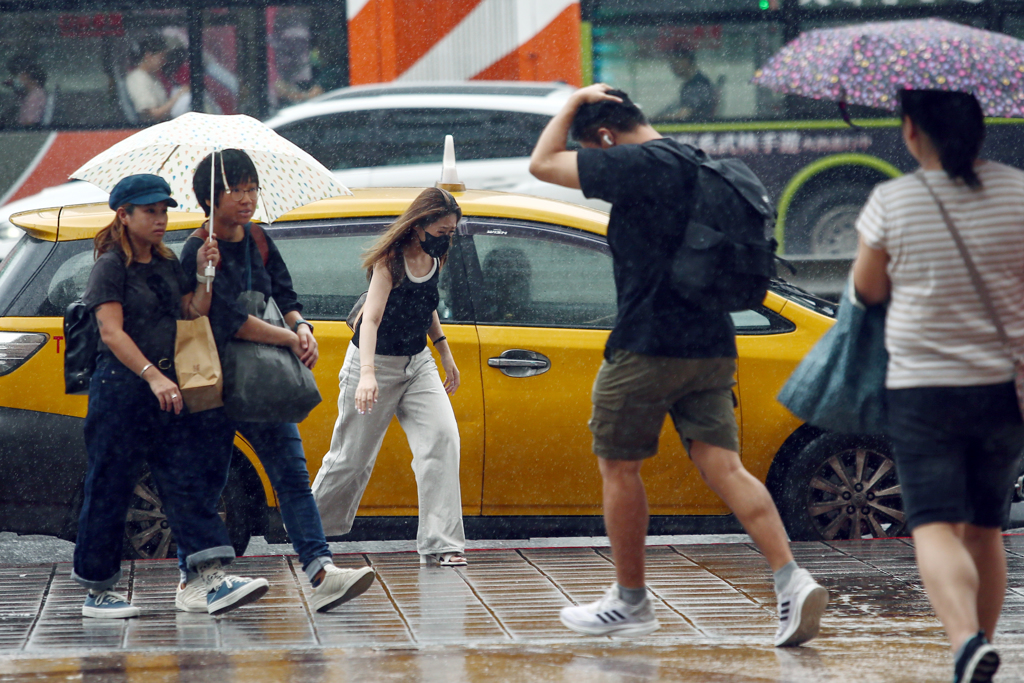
842	487
822	224
148	534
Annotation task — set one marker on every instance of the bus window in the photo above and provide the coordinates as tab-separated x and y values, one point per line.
690	73
307	53
81	70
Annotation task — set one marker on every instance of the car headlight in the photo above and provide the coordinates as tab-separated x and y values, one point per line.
18	347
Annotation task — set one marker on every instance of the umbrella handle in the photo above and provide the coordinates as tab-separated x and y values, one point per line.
211	272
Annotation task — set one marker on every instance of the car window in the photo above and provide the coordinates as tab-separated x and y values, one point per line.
547	277
337	141
414	136
542	277
74	261
325	263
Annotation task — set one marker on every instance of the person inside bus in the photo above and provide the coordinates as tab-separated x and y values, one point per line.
28	83
145	89
698	99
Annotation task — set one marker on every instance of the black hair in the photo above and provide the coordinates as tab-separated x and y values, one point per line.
24	64
619	116
679	52
238	169
954	123
151	44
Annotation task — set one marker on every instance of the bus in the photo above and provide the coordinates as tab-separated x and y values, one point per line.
819	169
688	63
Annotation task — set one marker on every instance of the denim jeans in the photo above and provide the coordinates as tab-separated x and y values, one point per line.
279	448
125	427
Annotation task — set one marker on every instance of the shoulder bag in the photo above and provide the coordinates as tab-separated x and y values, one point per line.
264	382
840	384
983	293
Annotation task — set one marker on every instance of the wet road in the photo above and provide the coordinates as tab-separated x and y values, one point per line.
497	620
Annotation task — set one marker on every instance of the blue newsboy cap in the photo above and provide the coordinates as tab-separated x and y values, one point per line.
144	188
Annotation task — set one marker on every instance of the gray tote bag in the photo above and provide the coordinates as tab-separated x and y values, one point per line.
264	382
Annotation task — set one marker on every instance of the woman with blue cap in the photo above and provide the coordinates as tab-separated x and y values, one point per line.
138	291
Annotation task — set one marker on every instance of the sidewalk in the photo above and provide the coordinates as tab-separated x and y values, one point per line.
497	620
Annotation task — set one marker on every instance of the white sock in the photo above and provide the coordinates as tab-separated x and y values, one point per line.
212	574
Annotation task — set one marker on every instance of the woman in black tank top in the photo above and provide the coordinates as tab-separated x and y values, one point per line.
389	371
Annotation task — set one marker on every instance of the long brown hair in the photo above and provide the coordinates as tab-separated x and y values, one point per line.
430	206
115	236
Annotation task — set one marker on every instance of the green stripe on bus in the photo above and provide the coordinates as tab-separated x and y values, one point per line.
586	52
793	125
812	169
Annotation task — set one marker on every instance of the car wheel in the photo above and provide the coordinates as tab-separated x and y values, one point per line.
148	534
823	223
843	487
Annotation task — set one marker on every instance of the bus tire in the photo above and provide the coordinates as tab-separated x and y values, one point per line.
823	222
840	487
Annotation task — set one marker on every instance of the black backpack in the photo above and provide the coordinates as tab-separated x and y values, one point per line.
727	255
81	337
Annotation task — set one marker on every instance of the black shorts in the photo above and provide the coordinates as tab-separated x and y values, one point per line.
958	452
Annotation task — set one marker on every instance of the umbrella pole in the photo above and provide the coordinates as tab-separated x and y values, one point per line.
210	270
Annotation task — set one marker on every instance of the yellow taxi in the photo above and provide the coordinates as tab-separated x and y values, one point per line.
527	302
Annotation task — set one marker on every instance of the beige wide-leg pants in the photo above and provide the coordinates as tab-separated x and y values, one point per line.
410	388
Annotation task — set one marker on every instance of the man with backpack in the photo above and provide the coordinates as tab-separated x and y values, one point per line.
668	351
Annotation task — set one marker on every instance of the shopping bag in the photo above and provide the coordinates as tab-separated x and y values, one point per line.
197	364
840	384
262	382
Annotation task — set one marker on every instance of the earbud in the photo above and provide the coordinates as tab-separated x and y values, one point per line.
607	140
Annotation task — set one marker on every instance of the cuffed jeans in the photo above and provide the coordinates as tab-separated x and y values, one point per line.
125	427
279	448
410	388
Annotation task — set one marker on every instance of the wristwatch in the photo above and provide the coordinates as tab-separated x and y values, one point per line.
300	321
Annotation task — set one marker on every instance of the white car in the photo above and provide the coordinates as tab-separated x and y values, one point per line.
392	135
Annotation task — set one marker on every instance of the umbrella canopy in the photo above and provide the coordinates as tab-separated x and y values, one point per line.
868	64
289	177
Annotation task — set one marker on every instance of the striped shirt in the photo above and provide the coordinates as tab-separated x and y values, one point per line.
938	332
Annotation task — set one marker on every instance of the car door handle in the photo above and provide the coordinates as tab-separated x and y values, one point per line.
520	363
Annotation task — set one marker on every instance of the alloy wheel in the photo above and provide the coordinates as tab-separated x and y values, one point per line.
855	494
147	529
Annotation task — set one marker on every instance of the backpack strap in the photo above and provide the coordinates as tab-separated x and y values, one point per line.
261	241
255	230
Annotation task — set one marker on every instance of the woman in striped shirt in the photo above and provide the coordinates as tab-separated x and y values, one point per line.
954	420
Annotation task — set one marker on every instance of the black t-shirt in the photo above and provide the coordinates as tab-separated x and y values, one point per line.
226	314
150	297
408	315
651	191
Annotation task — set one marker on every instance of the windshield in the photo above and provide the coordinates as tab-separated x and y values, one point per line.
801	296
19	266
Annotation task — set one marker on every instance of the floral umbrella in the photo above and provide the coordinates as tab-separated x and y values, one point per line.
868	64
289	177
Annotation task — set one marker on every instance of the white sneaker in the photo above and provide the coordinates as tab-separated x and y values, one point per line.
191	598
801	605
340	585
611	616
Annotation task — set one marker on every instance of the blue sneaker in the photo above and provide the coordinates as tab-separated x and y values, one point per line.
108	605
233	592
976	661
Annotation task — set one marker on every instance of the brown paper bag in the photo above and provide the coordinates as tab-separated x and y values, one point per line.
197	363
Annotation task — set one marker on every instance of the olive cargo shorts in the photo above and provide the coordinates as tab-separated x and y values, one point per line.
633	392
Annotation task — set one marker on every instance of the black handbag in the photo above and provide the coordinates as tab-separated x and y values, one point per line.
264	382
81	337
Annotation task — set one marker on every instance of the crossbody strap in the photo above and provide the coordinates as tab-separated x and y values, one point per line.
972	270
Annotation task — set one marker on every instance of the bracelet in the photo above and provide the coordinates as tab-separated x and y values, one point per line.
204	279
145	367
437	341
